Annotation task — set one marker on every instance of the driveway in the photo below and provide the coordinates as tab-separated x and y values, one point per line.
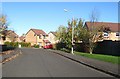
44	63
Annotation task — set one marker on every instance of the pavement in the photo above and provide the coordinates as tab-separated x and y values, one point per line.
46	63
10	55
109	68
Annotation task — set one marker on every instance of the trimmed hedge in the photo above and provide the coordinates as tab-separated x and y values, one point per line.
15	44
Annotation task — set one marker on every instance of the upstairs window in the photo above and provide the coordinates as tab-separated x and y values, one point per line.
106	34
44	36
118	34
39	36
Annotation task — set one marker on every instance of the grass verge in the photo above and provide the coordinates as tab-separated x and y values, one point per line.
106	58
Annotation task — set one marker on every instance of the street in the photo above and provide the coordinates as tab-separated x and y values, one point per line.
44	63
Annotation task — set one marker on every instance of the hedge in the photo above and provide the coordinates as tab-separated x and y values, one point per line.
15	44
36	46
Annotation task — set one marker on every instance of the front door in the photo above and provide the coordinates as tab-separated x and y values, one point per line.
40	44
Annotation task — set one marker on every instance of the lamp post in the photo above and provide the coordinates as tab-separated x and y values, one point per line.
72	32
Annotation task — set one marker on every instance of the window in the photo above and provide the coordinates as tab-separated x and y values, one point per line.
4	38
118	34
106	34
44	36
39	36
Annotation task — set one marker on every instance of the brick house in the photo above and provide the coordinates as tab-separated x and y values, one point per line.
9	36
113	30
36	36
52	37
22	38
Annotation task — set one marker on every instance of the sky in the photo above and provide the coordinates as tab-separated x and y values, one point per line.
48	16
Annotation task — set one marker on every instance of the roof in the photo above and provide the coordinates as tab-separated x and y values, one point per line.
22	38
54	33
115	27
10	32
38	31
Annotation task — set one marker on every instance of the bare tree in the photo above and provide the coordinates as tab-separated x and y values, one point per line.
3	26
92	34
94	15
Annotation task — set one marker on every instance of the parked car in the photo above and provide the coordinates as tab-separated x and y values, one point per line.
50	46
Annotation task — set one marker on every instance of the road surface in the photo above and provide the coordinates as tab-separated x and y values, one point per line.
44	63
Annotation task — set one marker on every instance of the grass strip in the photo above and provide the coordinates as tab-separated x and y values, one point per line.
106	58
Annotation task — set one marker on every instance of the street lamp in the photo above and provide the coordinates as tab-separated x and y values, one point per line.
72	32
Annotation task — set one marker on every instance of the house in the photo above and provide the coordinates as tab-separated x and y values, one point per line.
22	38
36	36
112	30
10	36
52	37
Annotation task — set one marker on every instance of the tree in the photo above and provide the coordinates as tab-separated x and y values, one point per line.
64	34
3	26
94	34
61	33
94	15
23	34
61	36
90	36
3	23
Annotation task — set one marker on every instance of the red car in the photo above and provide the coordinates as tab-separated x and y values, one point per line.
50	46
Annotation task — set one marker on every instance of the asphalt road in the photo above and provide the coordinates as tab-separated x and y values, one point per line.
44	63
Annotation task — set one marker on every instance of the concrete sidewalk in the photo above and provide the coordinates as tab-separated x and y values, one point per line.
106	67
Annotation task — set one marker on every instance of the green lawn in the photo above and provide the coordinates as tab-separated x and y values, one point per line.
106	58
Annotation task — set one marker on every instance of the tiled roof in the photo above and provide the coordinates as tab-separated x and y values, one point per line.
115	27
38	31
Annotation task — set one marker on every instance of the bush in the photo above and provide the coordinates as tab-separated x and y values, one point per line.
36	46
7	43
59	46
11	44
23	44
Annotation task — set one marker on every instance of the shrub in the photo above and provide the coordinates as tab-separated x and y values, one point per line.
36	46
60	45
23	44
11	44
7	43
